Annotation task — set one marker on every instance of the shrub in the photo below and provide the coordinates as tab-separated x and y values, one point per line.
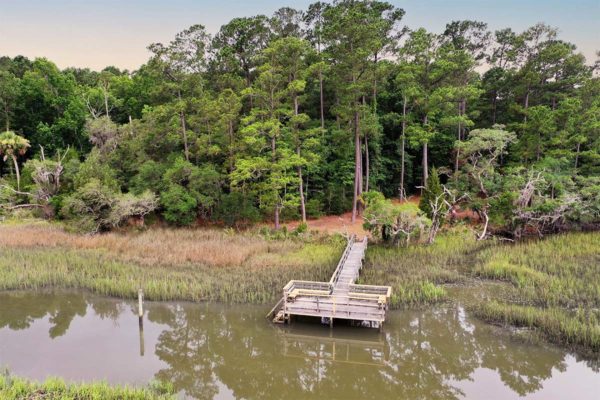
390	222
179	206
96	207
236	210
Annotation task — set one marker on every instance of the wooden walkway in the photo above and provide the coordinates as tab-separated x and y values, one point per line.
340	298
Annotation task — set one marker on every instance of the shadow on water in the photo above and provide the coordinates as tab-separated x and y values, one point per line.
213	351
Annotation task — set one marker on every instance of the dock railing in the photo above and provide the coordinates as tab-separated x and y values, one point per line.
340	265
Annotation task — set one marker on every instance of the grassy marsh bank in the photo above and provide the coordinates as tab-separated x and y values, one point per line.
551	286
12	388
168	264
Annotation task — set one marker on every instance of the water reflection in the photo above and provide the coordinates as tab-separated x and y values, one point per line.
213	351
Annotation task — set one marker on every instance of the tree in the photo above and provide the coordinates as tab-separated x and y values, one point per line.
482	152
181	61
422	50
9	93
355	33
290	56
390	222
13	146
239	43
267	161
95	207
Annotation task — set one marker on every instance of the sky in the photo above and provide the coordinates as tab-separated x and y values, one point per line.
94	34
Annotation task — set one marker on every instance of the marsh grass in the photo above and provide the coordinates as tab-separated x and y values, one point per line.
562	270
551	285
12	388
579	329
216	267
416	273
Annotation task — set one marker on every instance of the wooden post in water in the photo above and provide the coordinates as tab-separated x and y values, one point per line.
141	319
140	303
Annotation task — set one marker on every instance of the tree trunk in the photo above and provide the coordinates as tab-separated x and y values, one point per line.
321	99
183	131
302	200
526	104
577	155
402	145
425	165
106	102
494	105
231	153
457	155
367	162
277	207
485	226
425	162
17	173
357	169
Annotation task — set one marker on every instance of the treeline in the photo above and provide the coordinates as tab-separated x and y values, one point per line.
299	114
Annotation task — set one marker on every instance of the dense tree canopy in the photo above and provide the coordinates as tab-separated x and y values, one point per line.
297	114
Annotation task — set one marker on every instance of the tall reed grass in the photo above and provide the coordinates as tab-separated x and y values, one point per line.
217	267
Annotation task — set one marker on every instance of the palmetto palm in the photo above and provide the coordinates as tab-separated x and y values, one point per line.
13	145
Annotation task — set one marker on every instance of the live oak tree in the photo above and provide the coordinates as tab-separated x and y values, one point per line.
482	152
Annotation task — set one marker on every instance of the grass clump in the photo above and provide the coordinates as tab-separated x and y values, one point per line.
12	388
579	329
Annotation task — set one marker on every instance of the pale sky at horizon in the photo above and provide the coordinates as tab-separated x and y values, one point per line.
96	34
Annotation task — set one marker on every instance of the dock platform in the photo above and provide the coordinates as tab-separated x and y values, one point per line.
340	298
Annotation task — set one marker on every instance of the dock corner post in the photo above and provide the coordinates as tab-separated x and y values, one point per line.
140	304
141	320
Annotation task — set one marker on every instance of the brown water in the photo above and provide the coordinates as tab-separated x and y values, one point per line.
211	351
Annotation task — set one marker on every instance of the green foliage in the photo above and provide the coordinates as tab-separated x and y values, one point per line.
276	107
236	209
95	168
95	207
431	193
393	223
180	207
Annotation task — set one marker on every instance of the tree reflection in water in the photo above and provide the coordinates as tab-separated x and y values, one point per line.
204	349
421	355
21	309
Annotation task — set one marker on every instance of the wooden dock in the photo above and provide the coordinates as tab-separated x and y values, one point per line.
340	298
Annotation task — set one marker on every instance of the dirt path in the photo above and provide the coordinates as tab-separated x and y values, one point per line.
341	223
